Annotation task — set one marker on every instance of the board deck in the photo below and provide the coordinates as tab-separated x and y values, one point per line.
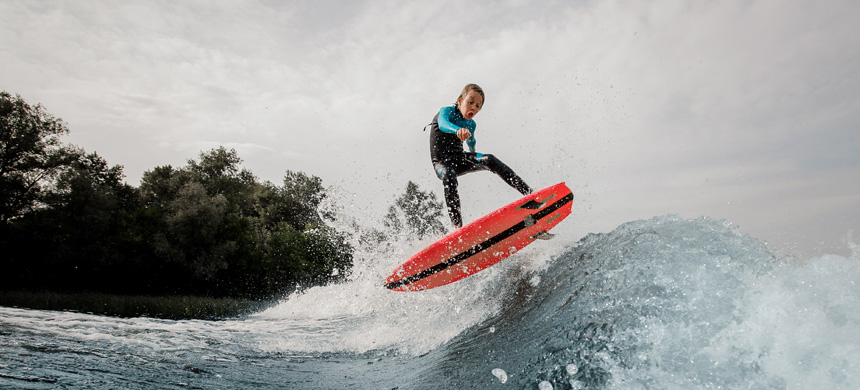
484	242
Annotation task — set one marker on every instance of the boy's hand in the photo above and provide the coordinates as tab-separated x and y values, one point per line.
463	133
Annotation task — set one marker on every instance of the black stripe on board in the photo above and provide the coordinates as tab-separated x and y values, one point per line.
481	246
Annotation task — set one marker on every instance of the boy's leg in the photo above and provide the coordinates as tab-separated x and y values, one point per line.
472	162
506	173
452	197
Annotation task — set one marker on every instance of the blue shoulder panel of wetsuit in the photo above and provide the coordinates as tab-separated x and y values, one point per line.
450	121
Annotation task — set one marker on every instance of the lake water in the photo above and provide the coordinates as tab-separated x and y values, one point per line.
665	303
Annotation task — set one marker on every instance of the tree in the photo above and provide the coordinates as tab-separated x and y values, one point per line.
95	210
303	195
310	257
219	172
295	203
298	246
193	226
205	228
82	236
159	186
416	213
199	219
31	155
87	177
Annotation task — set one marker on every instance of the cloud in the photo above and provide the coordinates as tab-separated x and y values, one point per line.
729	109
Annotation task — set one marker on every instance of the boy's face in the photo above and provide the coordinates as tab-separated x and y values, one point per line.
470	104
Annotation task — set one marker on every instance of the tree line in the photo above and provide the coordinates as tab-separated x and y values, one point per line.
68	221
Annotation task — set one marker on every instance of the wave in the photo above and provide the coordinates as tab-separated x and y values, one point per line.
662	303
672	304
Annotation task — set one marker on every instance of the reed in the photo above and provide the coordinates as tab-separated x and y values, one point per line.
167	307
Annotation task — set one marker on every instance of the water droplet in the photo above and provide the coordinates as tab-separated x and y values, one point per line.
501	374
572	369
545	386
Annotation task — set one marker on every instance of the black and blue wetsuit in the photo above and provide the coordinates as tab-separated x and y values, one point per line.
450	160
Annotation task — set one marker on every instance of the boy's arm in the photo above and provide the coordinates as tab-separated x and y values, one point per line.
444	120
445	125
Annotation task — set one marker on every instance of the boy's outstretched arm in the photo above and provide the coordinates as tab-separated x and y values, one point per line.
446	126
444	120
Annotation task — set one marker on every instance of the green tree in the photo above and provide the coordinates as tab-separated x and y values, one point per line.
95	209
159	186
416	213
89	182
296	202
303	196
194	224
220	172
83	236
70	222
31	155
199	220
299	247
308	257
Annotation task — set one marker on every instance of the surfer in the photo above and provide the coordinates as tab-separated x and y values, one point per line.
451	126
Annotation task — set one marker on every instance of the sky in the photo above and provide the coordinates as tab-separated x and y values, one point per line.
747	111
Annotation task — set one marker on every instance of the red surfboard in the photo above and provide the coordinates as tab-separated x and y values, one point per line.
484	242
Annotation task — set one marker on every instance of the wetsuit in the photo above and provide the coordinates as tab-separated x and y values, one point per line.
450	160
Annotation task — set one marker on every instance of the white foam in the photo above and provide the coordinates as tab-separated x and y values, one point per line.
361	315
500	374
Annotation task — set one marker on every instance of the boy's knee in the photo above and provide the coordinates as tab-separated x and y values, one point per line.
486	158
446	174
448	177
441	171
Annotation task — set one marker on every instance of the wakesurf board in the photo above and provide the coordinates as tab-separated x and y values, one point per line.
484	242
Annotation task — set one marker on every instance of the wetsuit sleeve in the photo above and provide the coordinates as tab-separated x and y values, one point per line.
447	125
471	141
444	120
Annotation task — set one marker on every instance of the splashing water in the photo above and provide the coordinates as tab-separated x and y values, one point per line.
663	303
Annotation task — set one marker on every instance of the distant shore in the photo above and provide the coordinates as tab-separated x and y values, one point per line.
166	307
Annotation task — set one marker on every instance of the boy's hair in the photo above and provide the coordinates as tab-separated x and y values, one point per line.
471	87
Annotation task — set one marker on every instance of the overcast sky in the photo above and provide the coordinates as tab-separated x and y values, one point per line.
747	110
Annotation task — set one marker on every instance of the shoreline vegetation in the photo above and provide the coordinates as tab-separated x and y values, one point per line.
70	223
205	240
129	306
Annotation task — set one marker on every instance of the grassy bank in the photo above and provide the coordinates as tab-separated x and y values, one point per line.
169	307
